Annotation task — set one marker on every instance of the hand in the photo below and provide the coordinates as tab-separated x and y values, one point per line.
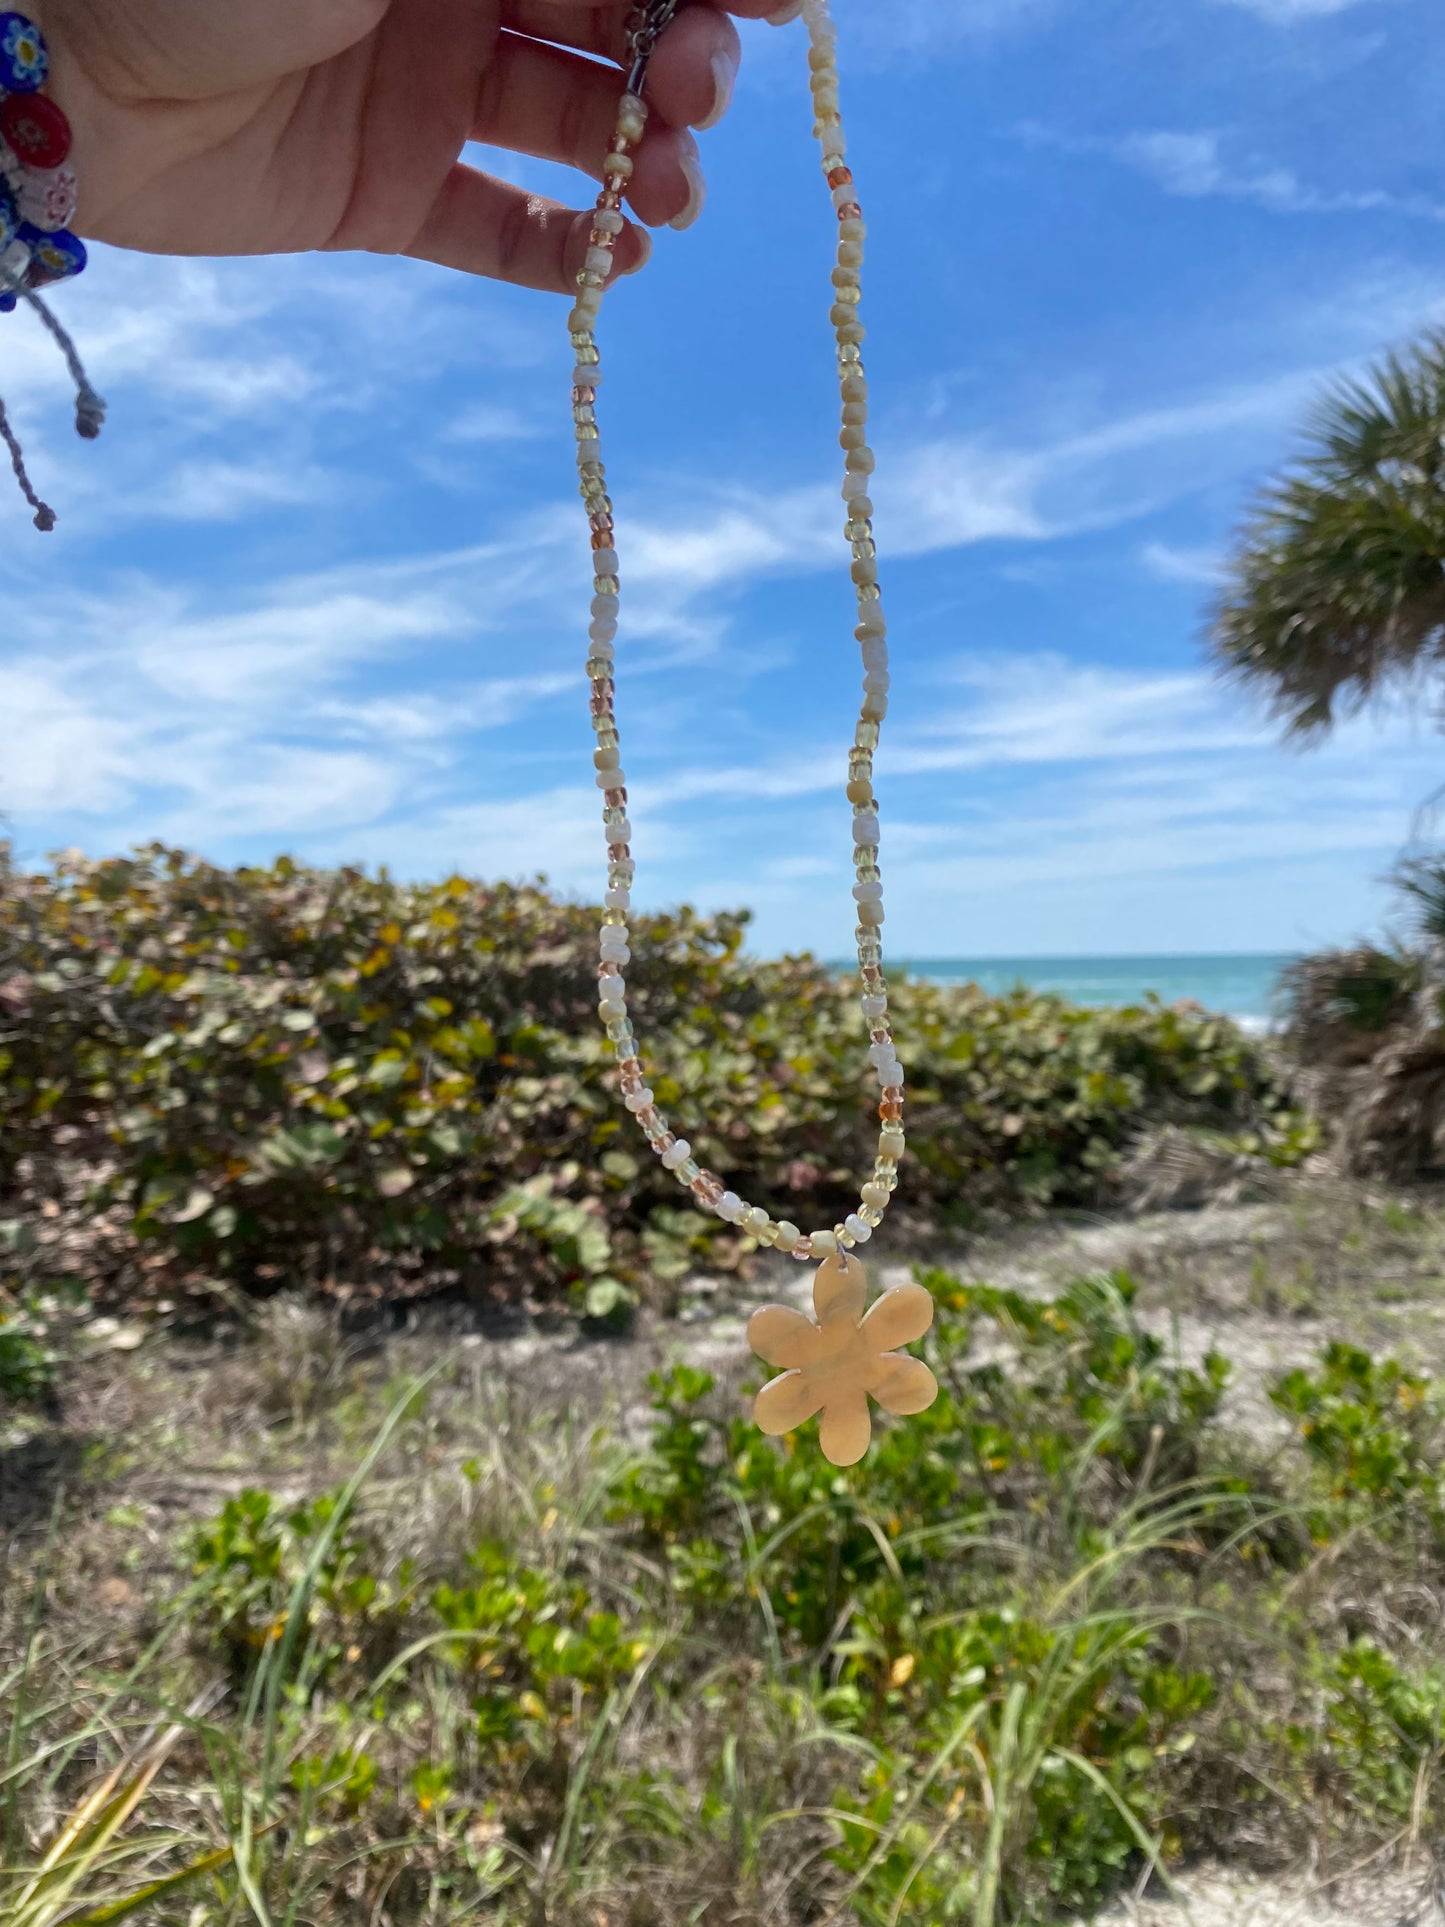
277	126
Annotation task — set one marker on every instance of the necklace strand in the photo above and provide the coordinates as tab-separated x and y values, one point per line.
871	632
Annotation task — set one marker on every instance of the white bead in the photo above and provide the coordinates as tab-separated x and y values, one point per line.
606	651
756	1220
611	779
731	1207
865	829
881	1054
616	954
878	682
844	194
678	1154
614	937
590	452
824	1241
788	1236
890	1072
868	892
854	485
875	706
598	261
605	561
585	377
606	607
860	1228
611	988
619	832
604	629
608	220
619	899
638	1101
875	1007
612	1010
875	654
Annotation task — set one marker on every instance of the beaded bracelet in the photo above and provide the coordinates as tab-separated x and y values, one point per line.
38	197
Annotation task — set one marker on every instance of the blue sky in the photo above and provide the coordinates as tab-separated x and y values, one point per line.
322	586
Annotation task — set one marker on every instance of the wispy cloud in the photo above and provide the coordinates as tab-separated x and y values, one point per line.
1167	562
1289	13
1194	166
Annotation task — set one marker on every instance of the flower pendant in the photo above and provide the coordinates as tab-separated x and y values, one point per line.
837	1361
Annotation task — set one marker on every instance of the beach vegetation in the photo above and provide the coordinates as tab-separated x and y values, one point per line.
1334	595
1061	1635
215	1080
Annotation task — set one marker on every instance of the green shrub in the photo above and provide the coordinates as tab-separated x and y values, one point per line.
1372	1426
299	1076
1052	1632
28	1360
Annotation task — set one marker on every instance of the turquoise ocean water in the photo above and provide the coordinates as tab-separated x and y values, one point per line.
1241	986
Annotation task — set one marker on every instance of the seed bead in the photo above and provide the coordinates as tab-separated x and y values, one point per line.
593	279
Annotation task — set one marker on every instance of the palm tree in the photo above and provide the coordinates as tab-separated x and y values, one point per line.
1336	590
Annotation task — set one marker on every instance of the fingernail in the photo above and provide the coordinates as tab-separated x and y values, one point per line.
724	79
785	15
644	242
696	191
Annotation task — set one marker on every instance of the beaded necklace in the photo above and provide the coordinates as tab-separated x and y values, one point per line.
833	1364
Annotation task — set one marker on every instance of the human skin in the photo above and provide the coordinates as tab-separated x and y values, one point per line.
279	126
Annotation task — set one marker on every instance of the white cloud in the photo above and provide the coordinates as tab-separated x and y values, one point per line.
1289	13
1167	562
1193	165
491	422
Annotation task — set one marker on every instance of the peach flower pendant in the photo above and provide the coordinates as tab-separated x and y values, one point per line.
838	1360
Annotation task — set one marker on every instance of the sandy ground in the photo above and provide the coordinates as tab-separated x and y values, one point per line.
1211	1898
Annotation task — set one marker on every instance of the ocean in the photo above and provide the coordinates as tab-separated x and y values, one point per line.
1240	986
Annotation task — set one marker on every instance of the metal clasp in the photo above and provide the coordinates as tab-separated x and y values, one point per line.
644	30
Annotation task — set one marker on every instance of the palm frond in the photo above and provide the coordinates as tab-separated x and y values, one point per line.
1335	593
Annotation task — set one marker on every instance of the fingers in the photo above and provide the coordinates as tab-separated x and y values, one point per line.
543	101
488	227
690	80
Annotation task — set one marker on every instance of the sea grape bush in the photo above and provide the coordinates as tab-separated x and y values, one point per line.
297	1076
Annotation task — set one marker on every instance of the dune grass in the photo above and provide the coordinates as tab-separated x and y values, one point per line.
1061	1634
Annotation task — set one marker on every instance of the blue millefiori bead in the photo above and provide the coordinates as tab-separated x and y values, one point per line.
53	257
24	62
